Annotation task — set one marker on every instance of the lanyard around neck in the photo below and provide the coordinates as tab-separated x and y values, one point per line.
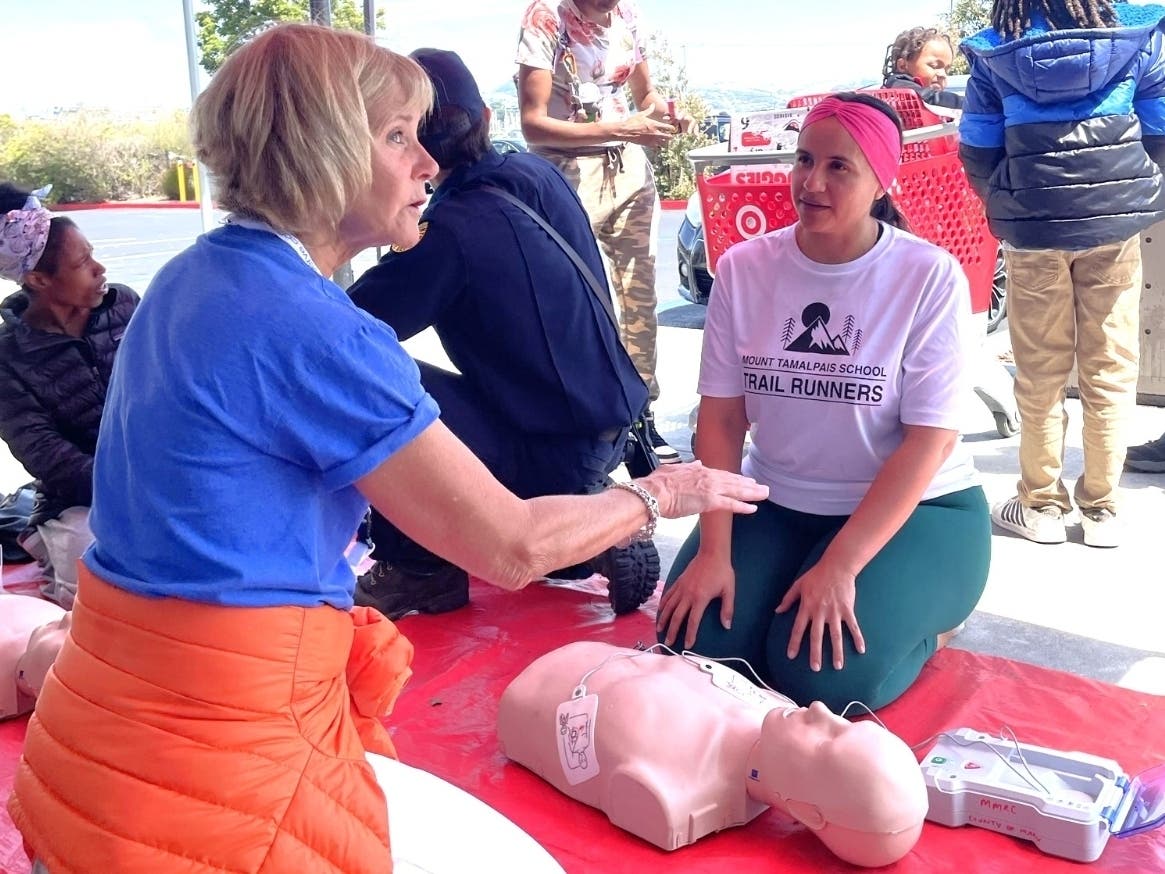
294	242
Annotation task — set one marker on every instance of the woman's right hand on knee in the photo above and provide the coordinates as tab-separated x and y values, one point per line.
705	579
689	489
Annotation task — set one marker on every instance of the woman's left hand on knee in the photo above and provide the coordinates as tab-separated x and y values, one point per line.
827	597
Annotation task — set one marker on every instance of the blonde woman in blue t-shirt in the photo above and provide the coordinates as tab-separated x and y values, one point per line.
213	703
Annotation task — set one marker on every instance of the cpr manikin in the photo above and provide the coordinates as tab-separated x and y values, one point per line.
672	748
31	633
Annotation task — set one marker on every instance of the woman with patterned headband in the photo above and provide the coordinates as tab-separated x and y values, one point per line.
840	340
58	337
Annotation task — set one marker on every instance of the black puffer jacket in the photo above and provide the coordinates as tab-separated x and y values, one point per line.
926	93
52	392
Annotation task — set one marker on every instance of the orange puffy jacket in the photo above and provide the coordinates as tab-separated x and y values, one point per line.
184	737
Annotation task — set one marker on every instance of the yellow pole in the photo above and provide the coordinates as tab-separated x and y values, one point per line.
194	180
181	168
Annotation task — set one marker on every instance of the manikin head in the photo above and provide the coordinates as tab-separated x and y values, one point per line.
854	784
31	633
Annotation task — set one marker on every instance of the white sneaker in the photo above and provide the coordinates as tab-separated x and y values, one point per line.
1101	528
1045	525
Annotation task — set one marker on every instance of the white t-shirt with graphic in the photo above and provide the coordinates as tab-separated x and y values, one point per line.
605	56
832	360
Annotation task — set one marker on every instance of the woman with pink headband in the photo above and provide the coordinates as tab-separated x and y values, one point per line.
840	342
58	337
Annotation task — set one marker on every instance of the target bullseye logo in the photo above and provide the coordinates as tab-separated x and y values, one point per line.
750	221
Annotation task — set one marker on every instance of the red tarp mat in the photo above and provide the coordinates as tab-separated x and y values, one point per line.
445	723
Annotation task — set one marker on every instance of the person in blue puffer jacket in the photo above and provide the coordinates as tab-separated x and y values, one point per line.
1063	138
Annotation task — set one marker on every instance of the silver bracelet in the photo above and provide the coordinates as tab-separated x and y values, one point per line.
648	530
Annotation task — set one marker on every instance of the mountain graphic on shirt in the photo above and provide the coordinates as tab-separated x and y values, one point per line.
816	337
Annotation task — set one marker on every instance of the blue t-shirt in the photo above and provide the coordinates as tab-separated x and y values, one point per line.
249	394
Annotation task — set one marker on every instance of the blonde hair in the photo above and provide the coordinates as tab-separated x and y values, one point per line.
286	125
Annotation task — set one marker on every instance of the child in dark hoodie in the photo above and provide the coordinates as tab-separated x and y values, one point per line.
1063	137
919	59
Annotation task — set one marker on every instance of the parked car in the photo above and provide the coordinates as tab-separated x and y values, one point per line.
507	145
695	280
957	83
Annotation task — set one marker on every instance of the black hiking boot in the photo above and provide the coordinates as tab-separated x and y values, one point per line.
632	573
396	592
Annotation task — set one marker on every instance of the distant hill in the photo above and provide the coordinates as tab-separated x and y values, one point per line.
719	98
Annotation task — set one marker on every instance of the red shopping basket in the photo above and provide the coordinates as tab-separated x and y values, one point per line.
931	191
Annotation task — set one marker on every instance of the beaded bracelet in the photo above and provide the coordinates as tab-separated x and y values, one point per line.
648	530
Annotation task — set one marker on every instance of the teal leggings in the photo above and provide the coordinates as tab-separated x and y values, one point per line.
925	581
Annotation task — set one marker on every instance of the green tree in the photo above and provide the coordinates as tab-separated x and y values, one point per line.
965	18
674	176
92	156
229	23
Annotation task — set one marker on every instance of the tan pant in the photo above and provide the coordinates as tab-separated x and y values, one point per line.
1079	308
618	192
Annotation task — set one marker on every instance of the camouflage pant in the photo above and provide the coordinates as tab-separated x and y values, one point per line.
618	191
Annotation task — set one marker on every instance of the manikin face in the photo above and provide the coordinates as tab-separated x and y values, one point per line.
833	185
80	278
931	65
805	730
390	210
848	773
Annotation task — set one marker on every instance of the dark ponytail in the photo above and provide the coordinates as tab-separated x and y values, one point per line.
884	209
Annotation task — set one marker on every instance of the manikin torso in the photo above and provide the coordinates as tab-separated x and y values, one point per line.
674	748
31	633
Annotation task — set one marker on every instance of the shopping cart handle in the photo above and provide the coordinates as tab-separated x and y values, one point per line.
717	154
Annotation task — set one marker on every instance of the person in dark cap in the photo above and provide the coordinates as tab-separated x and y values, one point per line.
546	393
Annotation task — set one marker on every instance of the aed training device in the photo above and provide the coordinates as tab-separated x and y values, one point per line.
1068	804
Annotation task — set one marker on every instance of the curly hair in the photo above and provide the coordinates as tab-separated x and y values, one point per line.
1010	18
908	45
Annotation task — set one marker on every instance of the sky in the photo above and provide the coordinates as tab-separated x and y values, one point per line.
130	55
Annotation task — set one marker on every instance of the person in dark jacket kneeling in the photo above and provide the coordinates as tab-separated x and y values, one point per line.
1063	137
58	338
546	392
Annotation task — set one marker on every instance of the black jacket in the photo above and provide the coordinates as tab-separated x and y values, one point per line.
512	311
926	93
52	392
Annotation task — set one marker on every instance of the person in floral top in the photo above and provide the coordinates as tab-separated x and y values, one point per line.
577	61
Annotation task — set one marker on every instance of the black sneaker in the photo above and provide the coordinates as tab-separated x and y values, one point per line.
666	454
1148	457
396	592
632	573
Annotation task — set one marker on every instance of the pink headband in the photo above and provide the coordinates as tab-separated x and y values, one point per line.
23	235
876	135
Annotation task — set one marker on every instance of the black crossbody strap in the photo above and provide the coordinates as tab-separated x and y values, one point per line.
599	288
648	460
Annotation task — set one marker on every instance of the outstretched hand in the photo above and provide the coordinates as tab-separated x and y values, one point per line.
644	130
681	121
702	581
688	489
827	597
